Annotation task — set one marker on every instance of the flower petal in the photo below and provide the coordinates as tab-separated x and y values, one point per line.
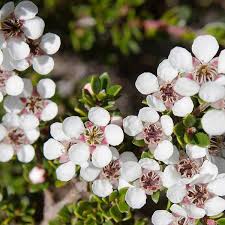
73	126
186	87
90	173
211	92
180	59
14	85
195	151
66	171
156	103
178	210
50	43
176	193
32	135
147	83
12	104
130	171
164	150
18	49
99	116
114	134
25	10
102	188
79	153
135	197
101	156
6	10
33	28
6	152
128	156
57	133
11	120
166	72
174	158
162	217
183	107
217	186
148	114
149	164
43	64
214	206
221	62
49	112
28	88
26	153
46	88
3	132
53	149
194	211
170	176
212	122
199	48
28	122
167	124
132	125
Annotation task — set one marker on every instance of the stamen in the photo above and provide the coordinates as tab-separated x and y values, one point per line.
205	73
188	168
152	133
151	182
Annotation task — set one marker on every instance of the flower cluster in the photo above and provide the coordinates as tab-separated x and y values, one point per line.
22	44
180	132
178	137
78	143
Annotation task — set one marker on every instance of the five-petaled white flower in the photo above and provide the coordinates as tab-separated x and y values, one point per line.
76	142
107	178
17	134
156	131
142	178
178	216
18	24
34	100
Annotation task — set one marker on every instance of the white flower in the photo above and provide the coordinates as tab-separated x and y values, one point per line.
40	51
187	171
34	100
156	132
17	136
212	122
145	176
18	24
178	216
198	189
80	142
161	93
10	83
37	175
110	172
205	68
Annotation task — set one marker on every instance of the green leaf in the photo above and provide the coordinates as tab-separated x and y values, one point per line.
146	155
155	197
221	221
115	213
188	138
95	84
123	207
113	196
189	120
139	143
114	90
179	129
201	139
105	80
